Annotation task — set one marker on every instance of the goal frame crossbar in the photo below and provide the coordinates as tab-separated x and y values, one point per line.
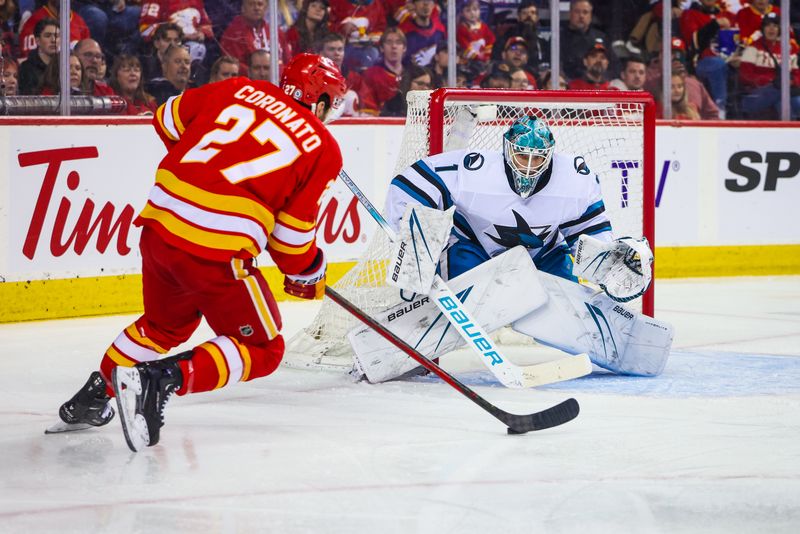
440	97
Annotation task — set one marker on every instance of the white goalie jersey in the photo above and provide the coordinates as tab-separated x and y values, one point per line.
491	217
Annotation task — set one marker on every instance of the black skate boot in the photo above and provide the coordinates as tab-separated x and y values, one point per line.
89	407
142	393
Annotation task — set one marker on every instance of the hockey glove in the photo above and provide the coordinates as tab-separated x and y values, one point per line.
310	284
622	268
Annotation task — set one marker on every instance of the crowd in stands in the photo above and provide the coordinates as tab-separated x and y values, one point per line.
725	58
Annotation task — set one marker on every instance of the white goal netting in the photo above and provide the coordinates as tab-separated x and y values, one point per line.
608	134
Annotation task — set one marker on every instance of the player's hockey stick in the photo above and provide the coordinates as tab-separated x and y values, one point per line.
472	332
517	424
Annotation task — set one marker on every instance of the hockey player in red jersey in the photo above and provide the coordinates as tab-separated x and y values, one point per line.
246	166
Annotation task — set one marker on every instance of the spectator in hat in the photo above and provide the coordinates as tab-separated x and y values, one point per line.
696	92
759	72
475	38
515	55
579	37
749	18
701	25
423	32
310	27
633	75
595	63
527	27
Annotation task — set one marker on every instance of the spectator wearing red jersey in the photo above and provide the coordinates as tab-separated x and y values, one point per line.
749	18
248	32
759	71
91	56
77	27
595	62
700	26
9	78
126	80
381	81
474	37
310	27
423	32
189	15
362	23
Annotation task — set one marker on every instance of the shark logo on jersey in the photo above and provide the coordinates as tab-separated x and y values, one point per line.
473	161
521	234
581	167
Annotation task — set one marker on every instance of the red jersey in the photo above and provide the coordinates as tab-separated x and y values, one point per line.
475	42
378	84
241	39
27	42
190	15
758	68
244	172
749	21
369	20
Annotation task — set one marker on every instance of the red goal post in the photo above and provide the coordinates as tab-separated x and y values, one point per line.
588	109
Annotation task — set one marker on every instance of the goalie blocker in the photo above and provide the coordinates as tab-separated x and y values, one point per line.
508	289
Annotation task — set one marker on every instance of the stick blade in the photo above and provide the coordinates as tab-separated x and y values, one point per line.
556	371
559	414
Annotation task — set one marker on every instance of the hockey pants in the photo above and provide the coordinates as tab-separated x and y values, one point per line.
180	288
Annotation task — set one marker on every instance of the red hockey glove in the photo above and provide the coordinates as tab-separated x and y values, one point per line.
310	284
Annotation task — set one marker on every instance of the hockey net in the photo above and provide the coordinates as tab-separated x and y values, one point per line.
613	131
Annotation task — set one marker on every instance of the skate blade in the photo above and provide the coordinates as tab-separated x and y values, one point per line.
127	387
61	427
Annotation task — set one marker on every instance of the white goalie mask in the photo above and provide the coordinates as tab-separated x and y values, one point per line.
528	150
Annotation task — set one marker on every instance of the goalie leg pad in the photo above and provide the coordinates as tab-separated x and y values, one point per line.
578	319
497	292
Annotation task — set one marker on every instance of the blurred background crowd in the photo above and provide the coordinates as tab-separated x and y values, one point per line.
725	55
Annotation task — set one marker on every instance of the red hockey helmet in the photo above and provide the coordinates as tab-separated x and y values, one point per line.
309	76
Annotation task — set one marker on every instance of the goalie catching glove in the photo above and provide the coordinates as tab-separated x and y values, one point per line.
622	268
310	284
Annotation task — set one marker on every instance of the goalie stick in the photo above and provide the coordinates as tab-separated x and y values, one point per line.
517	424
472	332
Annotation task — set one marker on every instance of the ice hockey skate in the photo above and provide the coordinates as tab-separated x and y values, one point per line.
142	393
89	407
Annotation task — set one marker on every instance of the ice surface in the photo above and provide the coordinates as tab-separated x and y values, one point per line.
713	445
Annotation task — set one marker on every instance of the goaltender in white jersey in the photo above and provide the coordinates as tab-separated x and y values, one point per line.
551	204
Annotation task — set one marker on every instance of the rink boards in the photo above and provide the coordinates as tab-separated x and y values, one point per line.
70	189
